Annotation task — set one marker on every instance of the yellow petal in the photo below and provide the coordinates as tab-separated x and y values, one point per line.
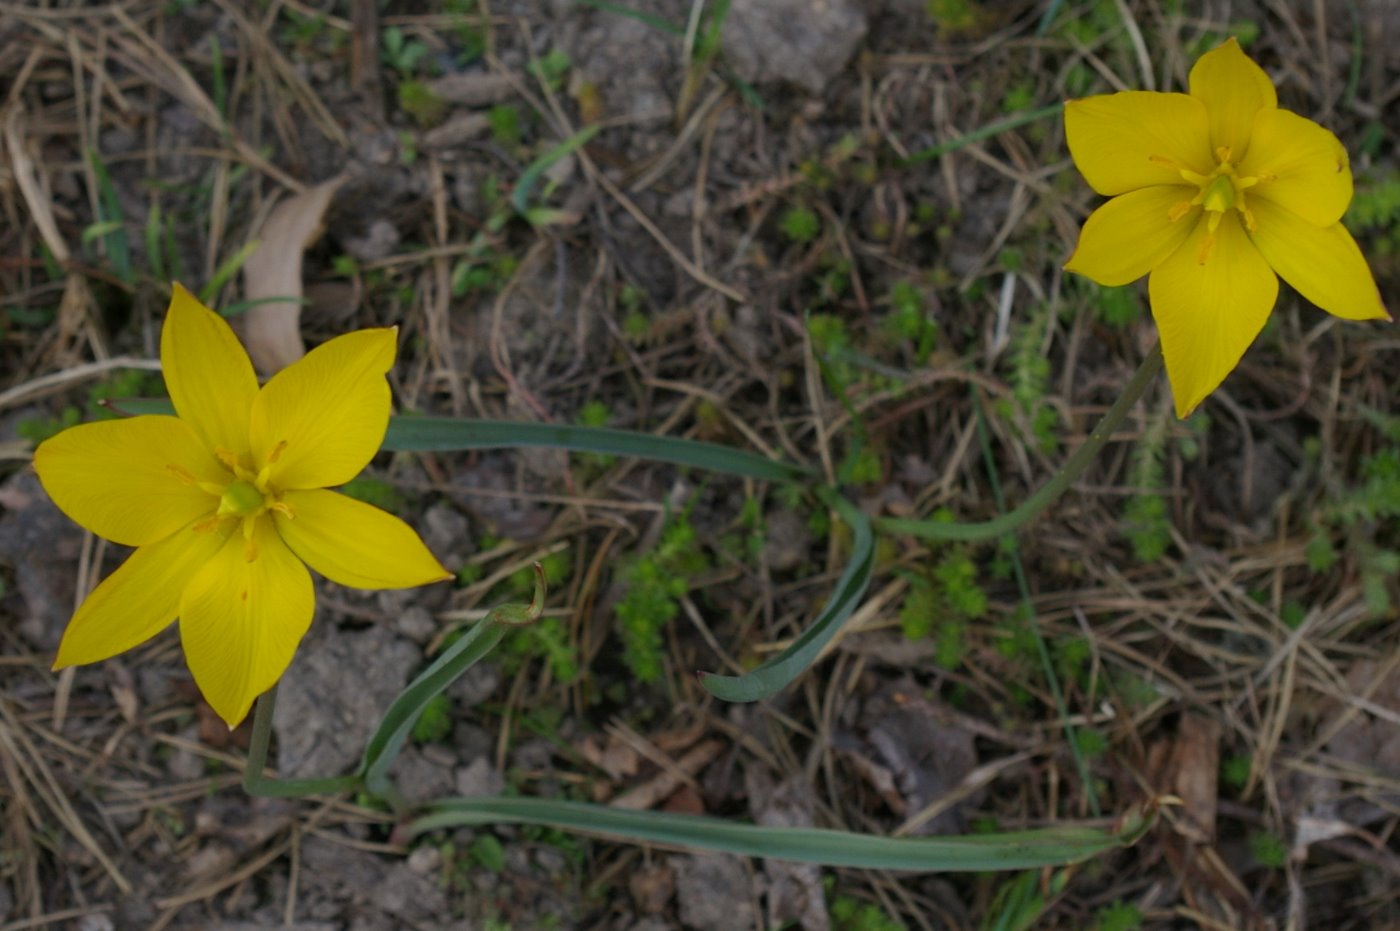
1208	313
1234	89
330	409
1136	139
1130	235
1311	174
207	373
137	601
1323	264
115	477
241	620
355	544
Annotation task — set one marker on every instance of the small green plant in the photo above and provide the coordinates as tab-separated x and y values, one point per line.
851	914
487	852
1030	379
1120	916
1268	850
504	119
1365	517
801	224
941	603
435	722
654	584
417	99
1145	521
374	491
401	53
909	321
1234	771
553	67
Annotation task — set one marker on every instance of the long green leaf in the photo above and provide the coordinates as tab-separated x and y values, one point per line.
388	738
1008	851
444	434
779	671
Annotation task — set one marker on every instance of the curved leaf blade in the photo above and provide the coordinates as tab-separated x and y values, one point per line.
781	670
1005	851
388	738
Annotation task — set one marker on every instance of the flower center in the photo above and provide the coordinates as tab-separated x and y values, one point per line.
241	499
1219	192
247	499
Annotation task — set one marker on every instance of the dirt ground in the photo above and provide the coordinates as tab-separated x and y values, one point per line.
732	222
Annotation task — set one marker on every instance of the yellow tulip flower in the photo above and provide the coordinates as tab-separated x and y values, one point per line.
1216	193
227	500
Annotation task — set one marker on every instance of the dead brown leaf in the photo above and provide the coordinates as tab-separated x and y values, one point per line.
1190	771
272	278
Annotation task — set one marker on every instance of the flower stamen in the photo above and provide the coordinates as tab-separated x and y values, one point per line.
228	458
1207	244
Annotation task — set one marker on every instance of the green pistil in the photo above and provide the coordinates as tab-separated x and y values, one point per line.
240	499
1219	194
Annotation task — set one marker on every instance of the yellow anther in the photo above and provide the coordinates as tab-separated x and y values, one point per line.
276	452
1223	154
183	474
1207	245
1180	210
208	524
283	508
227	457
1162	160
250	548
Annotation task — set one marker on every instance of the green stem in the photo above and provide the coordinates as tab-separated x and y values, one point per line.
254	783
1051	490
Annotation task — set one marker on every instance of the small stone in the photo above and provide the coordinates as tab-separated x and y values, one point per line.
378	241
416	624
711	893
479	778
425	860
802	42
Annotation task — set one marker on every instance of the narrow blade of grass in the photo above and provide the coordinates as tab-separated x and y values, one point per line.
520	197
658	23
225	272
112	219
985	132
1007	851
777	673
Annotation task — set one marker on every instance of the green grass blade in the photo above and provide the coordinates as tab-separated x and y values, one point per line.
1008	851
520	197
777	673
985	132
424	434
388	738
658	23
225	272
113	221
